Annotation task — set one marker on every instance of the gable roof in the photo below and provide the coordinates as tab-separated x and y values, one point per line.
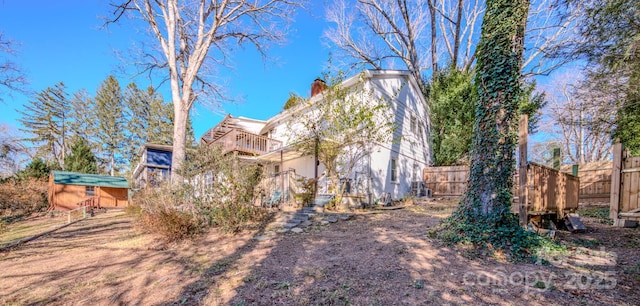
364	75
74	178
167	148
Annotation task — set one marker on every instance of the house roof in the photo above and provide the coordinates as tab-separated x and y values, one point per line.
74	178
349	82
167	148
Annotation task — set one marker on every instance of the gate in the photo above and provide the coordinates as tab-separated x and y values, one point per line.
625	184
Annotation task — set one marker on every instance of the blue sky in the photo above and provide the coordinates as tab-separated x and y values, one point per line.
63	41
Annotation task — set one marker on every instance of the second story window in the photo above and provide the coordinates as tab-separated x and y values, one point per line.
414	125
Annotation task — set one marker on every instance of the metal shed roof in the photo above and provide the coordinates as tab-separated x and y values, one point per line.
74	178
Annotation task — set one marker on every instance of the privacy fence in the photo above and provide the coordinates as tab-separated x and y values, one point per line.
548	190
595	180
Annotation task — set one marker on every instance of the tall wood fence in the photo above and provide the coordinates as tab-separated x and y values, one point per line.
446	181
595	180
549	190
625	185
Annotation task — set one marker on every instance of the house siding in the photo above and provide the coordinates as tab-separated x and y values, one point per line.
409	148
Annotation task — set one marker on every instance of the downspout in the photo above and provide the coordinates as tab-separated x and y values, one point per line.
282	174
315	169
369	183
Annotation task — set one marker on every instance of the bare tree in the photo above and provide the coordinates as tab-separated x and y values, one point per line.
12	151
12	77
382	33
422	35
197	35
582	120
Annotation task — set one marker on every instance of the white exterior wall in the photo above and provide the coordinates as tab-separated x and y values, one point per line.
409	148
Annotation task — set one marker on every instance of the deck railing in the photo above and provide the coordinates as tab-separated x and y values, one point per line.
247	143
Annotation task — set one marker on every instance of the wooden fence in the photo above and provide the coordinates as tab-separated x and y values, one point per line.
625	186
446	181
549	190
595	180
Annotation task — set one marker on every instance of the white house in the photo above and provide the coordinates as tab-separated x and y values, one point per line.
388	167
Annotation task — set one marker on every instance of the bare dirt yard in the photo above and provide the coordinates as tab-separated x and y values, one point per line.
374	258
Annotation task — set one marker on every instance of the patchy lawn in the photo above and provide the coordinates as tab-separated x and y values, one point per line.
381	258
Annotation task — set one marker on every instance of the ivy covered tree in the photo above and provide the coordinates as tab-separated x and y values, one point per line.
45	121
451	96
483	216
81	159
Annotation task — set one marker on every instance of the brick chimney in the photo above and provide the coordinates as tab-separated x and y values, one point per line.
317	87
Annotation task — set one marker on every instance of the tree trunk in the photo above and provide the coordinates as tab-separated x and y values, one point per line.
179	142
113	163
456	37
434	37
488	196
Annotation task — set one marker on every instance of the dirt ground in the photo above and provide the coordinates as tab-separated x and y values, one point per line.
381	258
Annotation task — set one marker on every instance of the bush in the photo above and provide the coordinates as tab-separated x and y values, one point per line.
23	196
234	217
161	211
171	224
218	194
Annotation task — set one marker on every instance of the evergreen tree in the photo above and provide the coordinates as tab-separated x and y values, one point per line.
37	168
451	96
81	159
151	120
44	119
111	123
83	117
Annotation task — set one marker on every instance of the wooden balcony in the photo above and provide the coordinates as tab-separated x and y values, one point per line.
246	143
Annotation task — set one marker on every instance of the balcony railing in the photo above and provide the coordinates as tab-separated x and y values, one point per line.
247	143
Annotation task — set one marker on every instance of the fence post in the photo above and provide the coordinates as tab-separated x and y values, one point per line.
556	158
522	172
616	172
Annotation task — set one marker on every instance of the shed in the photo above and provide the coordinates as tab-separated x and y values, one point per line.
68	190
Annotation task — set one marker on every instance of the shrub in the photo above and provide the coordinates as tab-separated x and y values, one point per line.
23	196
234	217
162	211
171	224
218	194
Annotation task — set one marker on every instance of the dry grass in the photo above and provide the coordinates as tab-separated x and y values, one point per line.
384	258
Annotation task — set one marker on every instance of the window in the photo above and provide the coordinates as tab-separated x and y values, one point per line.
89	191
276	169
394	170
416	172
414	126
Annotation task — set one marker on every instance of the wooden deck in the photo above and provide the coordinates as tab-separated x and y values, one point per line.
246	143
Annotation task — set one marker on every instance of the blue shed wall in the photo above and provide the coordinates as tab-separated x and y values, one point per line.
159	158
